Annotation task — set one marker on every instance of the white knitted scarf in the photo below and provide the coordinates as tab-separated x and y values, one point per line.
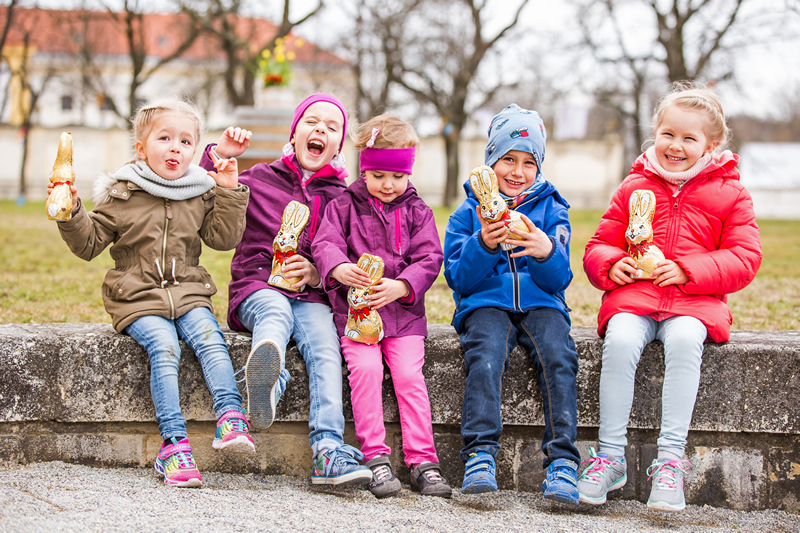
195	182
676	178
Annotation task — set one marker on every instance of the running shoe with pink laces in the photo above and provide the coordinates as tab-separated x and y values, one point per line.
233	433
604	473
176	463
667	491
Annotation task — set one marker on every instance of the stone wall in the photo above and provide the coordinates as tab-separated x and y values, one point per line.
80	393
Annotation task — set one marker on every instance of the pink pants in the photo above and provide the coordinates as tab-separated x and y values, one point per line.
404	356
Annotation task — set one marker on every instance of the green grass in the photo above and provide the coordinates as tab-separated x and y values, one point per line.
41	281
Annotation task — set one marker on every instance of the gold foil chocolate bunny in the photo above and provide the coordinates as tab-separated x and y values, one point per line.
59	202
483	182
363	323
294	220
639	235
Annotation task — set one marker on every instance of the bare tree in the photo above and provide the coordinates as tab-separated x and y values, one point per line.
687	41
31	88
240	40
9	19
440	65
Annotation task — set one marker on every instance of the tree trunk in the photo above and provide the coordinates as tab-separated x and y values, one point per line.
451	144
27	127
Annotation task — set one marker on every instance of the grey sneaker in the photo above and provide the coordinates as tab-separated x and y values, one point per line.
427	480
383	484
604	473
667	491
261	374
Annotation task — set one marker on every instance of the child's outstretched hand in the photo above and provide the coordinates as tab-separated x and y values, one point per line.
492	234
298	266
72	189
386	291
668	272
622	271
349	274
233	142
535	242
227	174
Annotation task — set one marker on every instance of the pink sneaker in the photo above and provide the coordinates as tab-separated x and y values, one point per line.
233	432
176	463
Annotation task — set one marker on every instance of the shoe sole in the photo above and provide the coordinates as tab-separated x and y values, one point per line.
193	482
353	478
478	489
667	507
562	497
261	374
240	444
618	484
389	494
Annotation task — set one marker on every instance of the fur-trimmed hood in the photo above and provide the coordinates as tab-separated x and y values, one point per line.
101	192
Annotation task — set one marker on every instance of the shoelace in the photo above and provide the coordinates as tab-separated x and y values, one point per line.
597	466
340	457
432	476
664	473
185	459
382	473
238	425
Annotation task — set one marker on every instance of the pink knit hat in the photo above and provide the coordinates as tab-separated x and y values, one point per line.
313	99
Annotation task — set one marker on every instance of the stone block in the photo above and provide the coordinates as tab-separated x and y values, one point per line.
727	477
784	477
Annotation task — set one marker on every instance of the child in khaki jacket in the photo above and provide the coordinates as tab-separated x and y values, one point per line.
156	211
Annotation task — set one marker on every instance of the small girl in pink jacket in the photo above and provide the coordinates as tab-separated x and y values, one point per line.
380	214
705	227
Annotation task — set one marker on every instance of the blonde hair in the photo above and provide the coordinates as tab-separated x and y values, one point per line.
394	133
690	96
145	116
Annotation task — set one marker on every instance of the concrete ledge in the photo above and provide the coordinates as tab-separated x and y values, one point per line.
80	392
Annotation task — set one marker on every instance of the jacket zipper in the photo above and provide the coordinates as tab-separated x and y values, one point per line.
515	277
164	254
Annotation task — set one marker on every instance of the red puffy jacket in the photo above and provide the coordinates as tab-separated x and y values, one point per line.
708	228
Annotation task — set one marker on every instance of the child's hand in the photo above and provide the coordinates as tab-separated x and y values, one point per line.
622	271
298	266
386	291
227	174
492	234
233	142
536	243
349	274
668	272
72	189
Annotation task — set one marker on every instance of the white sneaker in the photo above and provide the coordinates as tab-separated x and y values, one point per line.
667	491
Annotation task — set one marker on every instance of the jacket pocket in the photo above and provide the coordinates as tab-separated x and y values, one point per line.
125	286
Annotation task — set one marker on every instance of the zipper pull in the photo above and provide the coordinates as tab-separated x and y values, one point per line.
169	209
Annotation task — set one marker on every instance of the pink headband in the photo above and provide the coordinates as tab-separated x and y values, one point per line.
388	159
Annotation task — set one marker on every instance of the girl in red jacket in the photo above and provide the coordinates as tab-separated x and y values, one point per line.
705	227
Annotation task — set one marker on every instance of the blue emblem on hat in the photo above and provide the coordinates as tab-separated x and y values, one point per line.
501	124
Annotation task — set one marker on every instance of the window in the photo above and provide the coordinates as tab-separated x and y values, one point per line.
66	103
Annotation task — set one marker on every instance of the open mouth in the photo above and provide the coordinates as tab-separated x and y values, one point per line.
315	147
514	183
673	159
172	164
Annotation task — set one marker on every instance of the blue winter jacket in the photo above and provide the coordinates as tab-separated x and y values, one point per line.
481	277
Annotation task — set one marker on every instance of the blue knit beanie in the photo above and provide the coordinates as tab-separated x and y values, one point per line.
515	128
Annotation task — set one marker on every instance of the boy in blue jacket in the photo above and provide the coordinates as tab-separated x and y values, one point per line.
515	296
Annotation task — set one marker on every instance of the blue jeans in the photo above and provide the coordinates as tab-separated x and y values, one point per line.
200	330
626	337
272	316
489	337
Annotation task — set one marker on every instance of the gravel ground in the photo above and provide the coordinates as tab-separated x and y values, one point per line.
56	497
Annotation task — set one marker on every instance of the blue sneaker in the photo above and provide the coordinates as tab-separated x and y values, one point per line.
561	483
479	474
340	467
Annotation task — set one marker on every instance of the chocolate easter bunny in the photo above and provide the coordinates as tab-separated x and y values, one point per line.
363	323
294	220
483	182
59	201
639	235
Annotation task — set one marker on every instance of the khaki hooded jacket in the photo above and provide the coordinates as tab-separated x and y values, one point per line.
156	247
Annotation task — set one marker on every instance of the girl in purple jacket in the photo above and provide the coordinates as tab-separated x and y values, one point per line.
311	172
381	214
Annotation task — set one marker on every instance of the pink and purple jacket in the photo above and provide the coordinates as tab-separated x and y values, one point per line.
272	186
402	232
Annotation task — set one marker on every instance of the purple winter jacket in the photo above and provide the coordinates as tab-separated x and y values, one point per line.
272	186
402	232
